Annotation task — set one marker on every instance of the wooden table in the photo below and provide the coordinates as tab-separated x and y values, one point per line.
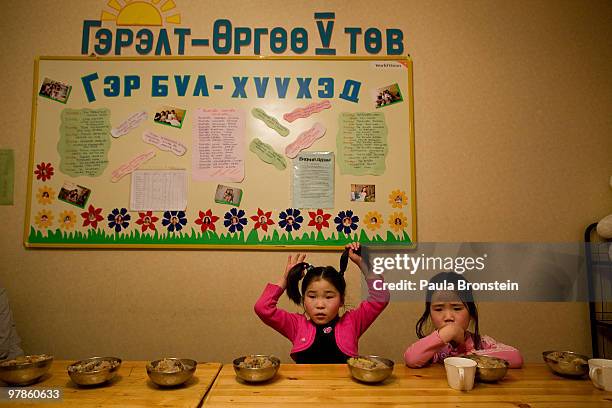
130	388
319	386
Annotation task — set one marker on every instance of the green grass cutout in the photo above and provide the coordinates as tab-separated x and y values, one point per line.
192	237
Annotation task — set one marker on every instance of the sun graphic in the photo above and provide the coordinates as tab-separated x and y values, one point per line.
141	13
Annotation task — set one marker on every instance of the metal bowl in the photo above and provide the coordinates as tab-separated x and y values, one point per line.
567	363
371	375
24	373
94	377
171	379
256	374
489	369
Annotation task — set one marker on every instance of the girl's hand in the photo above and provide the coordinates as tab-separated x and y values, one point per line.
292	260
353	248
452	333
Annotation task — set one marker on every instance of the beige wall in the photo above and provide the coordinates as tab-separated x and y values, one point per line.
513	143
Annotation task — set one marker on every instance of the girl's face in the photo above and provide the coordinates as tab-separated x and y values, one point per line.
322	301
447	308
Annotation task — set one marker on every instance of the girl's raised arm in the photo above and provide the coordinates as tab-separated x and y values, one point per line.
369	309
279	319
355	256
292	260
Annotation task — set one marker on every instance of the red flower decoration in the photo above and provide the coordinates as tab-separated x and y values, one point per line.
207	220
262	219
147	220
318	219
92	216
43	171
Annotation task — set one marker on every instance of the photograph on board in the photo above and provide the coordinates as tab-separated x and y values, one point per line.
170	116
74	194
388	95
55	90
228	195
363	192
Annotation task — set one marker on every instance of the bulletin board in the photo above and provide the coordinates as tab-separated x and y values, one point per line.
237	152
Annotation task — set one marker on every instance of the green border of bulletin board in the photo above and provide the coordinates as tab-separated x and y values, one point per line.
137	152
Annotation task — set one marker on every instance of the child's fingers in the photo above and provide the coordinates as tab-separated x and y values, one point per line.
295	259
354	246
290	260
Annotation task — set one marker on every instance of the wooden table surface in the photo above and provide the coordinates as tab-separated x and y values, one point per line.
131	387
533	386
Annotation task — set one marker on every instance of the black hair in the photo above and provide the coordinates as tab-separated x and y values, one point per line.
464	295
329	273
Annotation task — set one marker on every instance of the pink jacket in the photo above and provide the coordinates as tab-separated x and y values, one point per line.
302	332
433	349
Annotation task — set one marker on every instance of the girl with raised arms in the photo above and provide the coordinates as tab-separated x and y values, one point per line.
320	335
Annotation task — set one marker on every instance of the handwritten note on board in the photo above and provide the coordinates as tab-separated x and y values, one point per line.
306	111
164	143
305	140
362	143
218	145
84	141
267	154
130	123
127	168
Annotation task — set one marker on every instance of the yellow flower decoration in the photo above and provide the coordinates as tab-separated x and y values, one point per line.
67	219
45	195
398	221
373	220
398	199
44	219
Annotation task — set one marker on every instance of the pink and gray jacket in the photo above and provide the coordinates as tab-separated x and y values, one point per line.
432	349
